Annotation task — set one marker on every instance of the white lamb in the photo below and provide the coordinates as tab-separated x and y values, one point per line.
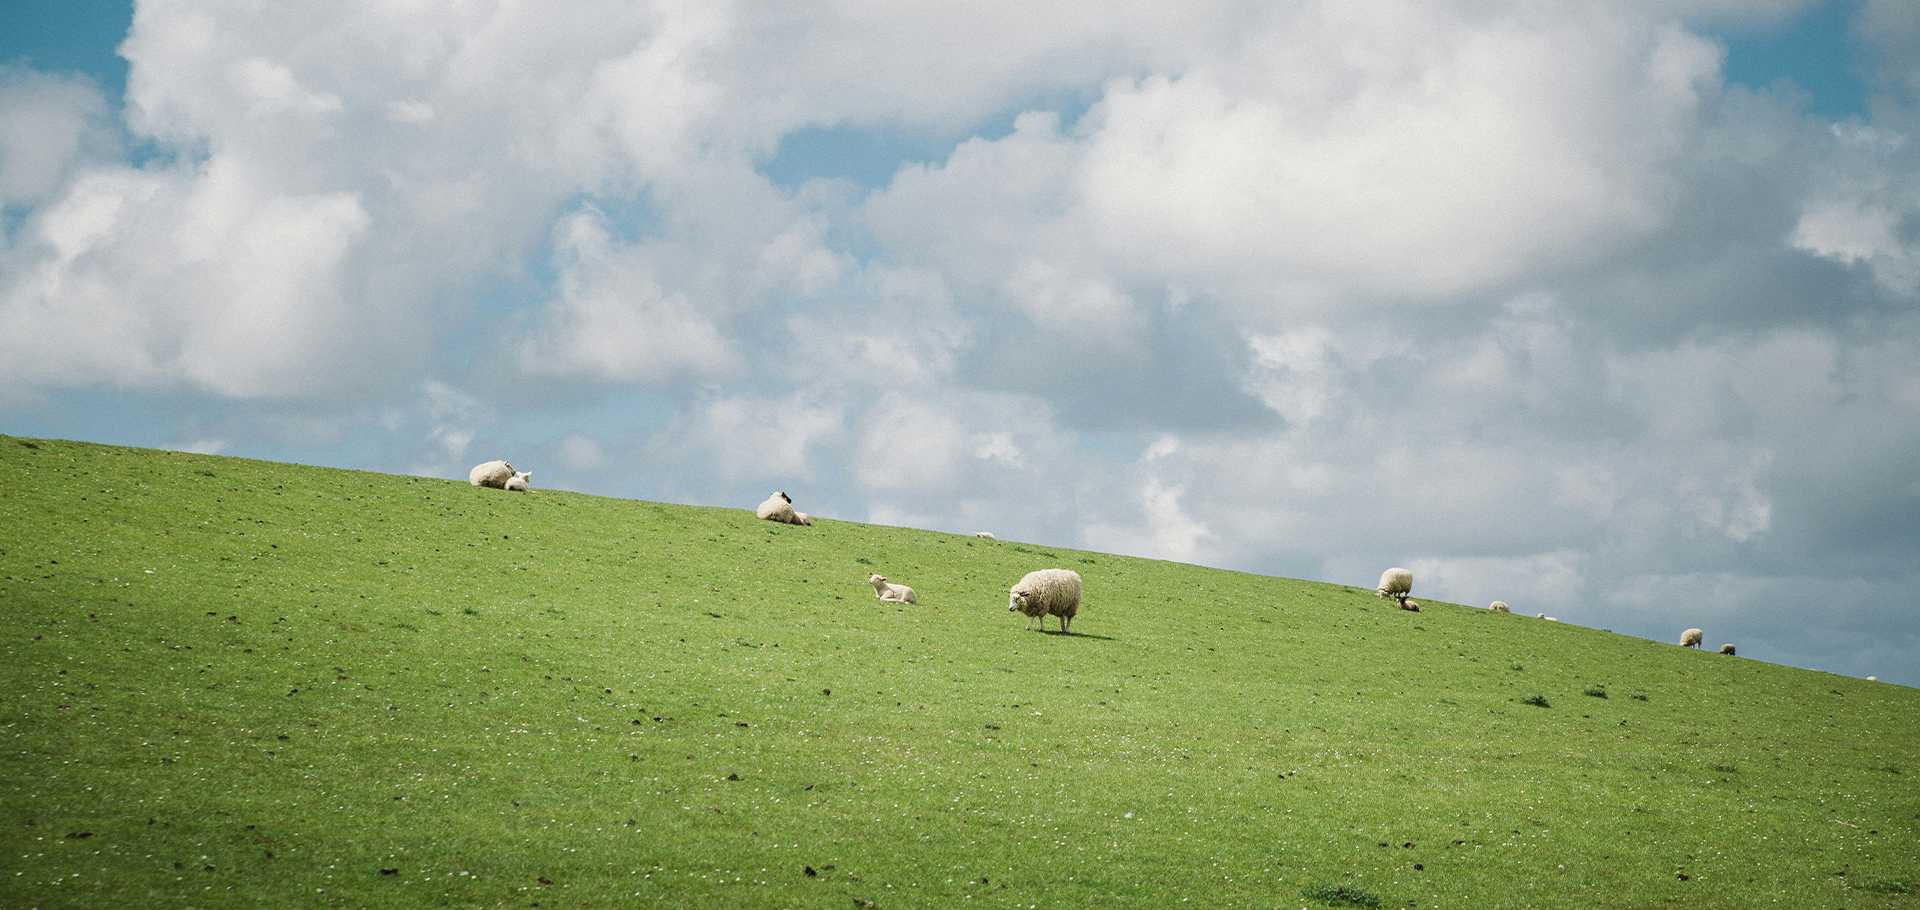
779	507
900	594
493	474
1396	583
1048	592
986	535
1690	638
521	481
1500	606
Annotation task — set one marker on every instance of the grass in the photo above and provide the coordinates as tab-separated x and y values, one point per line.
232	683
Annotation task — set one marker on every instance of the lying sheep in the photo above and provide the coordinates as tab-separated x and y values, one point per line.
493	474
1547	618
900	594
520	481
1410	604
1500	606
1396	583
1690	638
985	535
779	507
1048	592
1727	649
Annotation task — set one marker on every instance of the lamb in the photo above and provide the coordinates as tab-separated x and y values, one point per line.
1499	606
985	535
900	594
779	507
520	481
1690	638
1410	604
1396	583
1727	649
1547	618
1047	592
492	474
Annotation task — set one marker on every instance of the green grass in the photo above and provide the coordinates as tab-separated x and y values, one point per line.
231	683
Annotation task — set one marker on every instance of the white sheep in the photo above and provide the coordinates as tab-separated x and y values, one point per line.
1547	618
1396	583
521	481
779	507
1500	606
1410	604
1047	592
492	474
1691	638
985	535
900	594
1727	649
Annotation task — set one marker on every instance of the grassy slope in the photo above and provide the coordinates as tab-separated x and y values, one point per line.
230	682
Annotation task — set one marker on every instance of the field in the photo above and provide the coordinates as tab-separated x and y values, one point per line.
233	683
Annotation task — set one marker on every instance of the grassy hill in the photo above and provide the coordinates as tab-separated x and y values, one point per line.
233	683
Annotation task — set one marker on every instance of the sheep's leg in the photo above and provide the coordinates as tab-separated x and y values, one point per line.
1030	625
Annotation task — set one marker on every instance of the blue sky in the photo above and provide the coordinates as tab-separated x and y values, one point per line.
1560	306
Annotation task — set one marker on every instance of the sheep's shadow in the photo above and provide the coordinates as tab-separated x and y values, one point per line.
1058	634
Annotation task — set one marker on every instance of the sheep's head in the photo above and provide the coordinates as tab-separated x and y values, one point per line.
784	496
877	580
1017	600
523	475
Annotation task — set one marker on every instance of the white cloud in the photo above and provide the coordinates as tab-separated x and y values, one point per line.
613	321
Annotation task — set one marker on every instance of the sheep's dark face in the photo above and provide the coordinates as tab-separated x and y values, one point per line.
784	496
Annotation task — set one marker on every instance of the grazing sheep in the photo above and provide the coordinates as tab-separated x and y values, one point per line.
1727	649
1873	679
900	594
1396	583
1500	606
779	507
493	474
520	481
1690	638
1048	592
985	535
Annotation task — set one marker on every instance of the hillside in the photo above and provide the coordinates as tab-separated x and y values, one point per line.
233	683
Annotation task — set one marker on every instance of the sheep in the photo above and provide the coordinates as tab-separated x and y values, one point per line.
1690	638
891	592
492	474
1873	679
1727	649
1546	617
1412	605
1047	592
779	507
985	535
1500	606
520	481
1396	583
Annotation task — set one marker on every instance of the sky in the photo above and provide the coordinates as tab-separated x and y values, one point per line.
1607	310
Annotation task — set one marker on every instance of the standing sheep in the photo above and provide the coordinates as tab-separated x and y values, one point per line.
1727	649
1691	638
1500	606
521	481
779	507
1396	583
493	474
1048	592
900	594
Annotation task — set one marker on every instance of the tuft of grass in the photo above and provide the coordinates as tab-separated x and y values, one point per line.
1885	886
1342	895
359	685
1538	701
1596	691
1637	696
